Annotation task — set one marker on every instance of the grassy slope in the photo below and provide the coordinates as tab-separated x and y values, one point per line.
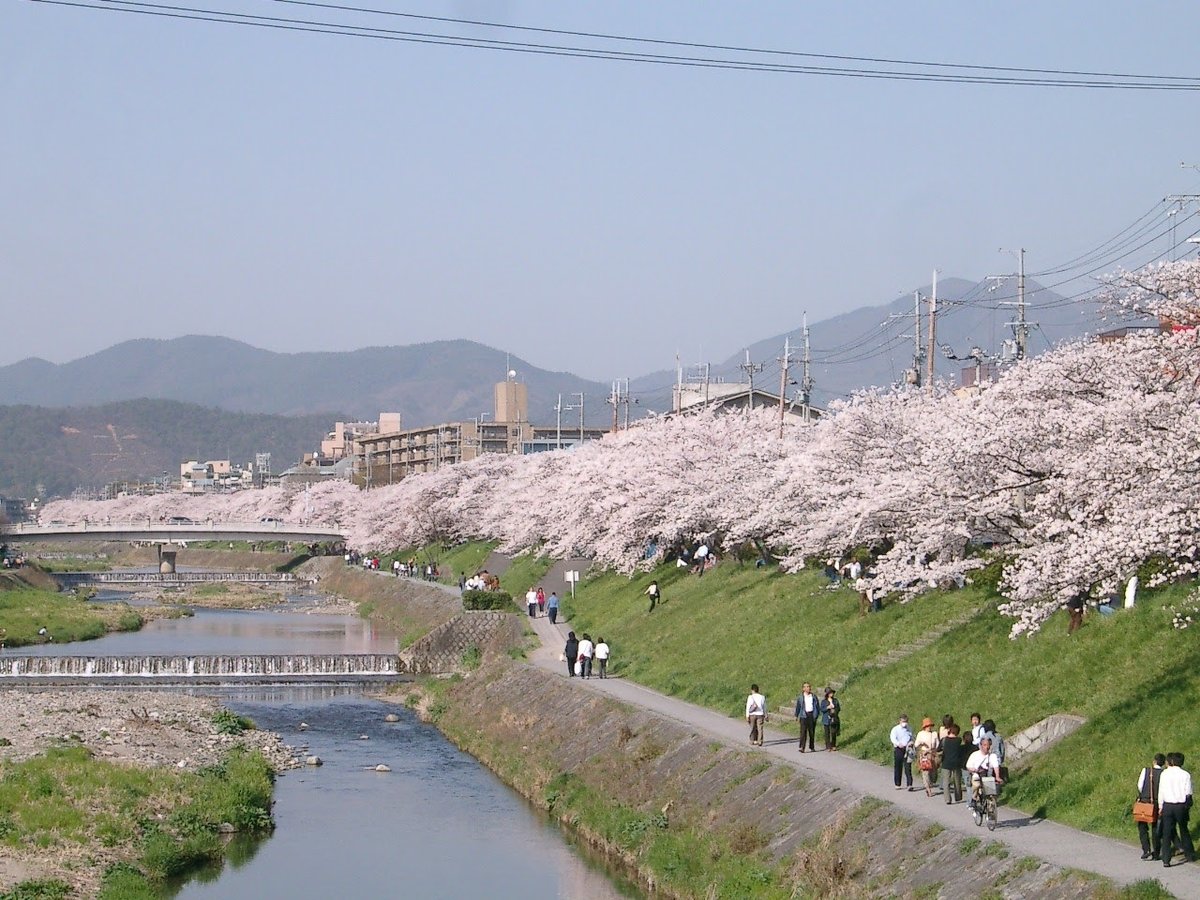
66	618
1131	674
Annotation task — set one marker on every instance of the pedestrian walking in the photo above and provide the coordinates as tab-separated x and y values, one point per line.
552	607
571	653
541	601
927	746
831	718
756	711
1150	833
602	652
586	649
653	594
1075	608
952	764
531	602
1174	803
808	710
901	738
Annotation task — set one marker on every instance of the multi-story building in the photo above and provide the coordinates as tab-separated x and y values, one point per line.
388	456
214	475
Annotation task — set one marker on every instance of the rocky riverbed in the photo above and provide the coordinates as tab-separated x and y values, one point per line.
136	728
146	728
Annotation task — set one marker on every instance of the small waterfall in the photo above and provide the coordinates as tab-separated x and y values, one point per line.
182	668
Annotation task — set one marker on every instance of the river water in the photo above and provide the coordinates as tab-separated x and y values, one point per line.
438	825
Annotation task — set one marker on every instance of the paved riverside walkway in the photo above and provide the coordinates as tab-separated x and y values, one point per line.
1026	836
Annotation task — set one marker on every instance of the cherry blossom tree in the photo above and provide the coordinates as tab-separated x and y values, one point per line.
1080	466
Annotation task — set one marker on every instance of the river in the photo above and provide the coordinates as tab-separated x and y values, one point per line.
438	825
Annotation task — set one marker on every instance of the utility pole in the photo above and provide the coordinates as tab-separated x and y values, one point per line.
783	379
1181	200
917	358
558	408
750	369
581	418
614	398
932	335
806	381
1022	327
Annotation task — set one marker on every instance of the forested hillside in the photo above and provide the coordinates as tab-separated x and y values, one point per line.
61	449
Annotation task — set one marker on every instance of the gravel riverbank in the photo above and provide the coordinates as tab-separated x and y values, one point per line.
130	727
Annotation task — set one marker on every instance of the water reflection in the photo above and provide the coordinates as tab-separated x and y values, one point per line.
438	825
234	632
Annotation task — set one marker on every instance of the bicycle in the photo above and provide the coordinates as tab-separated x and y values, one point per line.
984	807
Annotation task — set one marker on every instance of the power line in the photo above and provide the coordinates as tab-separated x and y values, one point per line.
344	29
662	42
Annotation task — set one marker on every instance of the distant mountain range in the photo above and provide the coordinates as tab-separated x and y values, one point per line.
143	406
426	383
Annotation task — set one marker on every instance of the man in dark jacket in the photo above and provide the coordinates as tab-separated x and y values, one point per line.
808	708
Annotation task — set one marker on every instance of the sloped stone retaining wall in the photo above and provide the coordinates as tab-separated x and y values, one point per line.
442	649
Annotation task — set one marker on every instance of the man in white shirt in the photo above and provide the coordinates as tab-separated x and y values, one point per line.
1174	804
701	558
586	650
601	653
756	710
531	602
901	737
983	762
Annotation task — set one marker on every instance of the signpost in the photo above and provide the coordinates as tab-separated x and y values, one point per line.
572	578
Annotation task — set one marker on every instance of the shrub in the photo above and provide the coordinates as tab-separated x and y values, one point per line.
487	600
226	721
471	658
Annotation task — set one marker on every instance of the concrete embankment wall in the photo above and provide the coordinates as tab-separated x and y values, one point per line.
410	607
552	739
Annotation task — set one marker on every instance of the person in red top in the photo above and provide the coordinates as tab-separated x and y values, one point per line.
541	601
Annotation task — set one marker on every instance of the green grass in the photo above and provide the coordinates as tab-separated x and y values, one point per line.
699	641
210	590
466	559
65	618
1130	674
170	818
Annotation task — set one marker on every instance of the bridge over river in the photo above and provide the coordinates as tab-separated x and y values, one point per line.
28	671
173	533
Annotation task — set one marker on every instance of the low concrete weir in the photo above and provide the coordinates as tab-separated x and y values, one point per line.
77	579
15	670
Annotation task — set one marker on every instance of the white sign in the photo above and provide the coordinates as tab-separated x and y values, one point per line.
572	577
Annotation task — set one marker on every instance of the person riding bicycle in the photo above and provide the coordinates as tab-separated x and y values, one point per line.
982	763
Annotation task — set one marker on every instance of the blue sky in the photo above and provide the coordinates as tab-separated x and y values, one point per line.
312	192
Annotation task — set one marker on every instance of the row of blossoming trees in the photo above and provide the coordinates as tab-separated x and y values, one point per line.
1082	464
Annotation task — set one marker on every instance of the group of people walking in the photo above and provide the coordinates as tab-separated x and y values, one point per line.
580	653
1163	807
538	604
810	711
948	750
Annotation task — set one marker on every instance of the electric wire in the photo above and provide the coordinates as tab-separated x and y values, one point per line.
344	29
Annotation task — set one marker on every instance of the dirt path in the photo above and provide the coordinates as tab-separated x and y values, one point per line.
1024	834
